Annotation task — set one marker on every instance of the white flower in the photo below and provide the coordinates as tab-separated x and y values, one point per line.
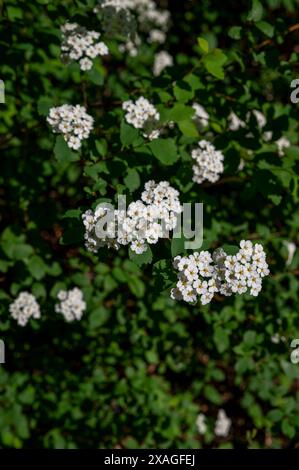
142	115
79	43
201	116
201	424
235	122
72	122
261	122
144	222
71	304
126	17
208	164
156	35
24	307
162	60
291	247
282	143
203	275
223	424
85	64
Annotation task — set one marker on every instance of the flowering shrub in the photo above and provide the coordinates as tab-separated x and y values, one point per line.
155	344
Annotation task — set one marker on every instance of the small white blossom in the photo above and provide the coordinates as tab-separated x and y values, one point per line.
162	60
223	424
209	162
201	424
71	304
72	122
126	18
24	307
235	123
80	44
201	116
261	122
143	223
282	144
143	115
291	247
202	275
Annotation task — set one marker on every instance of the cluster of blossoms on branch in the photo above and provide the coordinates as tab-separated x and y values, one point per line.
72	122
208	162
71	304
143	115
141	224
200	115
81	45
127	18
24	307
235	123
162	60
222	424
204	275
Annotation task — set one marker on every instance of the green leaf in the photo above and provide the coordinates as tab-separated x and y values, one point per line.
288	429
266	28
128	134
143	258
14	13
231	249
177	246
63	153
43	106
132	179
95	76
180	112
98	317
256	11
73	214
136	286
250	338
183	91
214	62
37	267
275	415
221	339
212	395
235	32
188	128
203	44
164	150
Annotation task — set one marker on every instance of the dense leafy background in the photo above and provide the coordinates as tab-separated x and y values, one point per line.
138	368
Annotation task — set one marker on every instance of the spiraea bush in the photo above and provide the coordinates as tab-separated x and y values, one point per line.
137	341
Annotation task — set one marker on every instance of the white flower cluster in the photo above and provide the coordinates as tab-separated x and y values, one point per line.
80	44
71	304
201	116
201	424
116	17
291	247
222	424
162	60
72	122
234	122
202	274
282	144
130	46
142	223
124	17
24	307
143	115
208	164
